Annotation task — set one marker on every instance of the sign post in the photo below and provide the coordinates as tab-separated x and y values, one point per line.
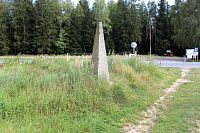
150	30
196	54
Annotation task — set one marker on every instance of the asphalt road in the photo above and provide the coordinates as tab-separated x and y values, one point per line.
178	62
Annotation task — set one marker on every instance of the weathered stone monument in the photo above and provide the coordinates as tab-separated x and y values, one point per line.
99	58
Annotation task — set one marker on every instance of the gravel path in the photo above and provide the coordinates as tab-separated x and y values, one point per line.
149	117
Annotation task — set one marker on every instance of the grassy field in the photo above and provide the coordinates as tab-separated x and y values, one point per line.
183	108
55	95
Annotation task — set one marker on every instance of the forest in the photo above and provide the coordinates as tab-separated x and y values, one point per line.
60	27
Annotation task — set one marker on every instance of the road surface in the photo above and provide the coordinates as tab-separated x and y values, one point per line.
178	62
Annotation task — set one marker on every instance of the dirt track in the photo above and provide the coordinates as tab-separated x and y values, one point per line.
149	116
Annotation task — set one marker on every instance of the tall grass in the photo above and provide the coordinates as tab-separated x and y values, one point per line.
55	95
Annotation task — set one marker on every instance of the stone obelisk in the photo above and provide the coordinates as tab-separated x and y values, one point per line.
99	58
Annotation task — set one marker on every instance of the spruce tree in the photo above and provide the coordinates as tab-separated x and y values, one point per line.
162	25
120	26
87	27
75	37
4	42
47	14
126	25
23	24
143	47
63	42
81	29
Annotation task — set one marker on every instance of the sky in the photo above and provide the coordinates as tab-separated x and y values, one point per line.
171	2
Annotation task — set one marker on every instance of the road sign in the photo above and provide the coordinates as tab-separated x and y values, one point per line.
189	53
133	44
196	50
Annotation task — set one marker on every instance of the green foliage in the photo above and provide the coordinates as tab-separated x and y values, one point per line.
3	27
47	14
101	14
53	95
23	24
186	20
60	44
80	29
162	29
87	28
36	27
118	95
121	27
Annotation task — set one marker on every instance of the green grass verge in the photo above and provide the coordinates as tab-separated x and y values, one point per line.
53	95
183	109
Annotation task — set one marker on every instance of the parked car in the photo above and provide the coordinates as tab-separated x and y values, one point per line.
169	53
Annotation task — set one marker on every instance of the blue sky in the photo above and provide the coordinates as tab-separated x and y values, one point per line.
92	1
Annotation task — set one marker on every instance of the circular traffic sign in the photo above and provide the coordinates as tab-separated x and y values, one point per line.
133	44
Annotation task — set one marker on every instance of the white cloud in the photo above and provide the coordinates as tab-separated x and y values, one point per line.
171	2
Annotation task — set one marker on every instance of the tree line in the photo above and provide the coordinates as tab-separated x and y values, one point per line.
60	27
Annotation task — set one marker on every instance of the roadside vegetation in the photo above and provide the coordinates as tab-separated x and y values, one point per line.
55	95
182	111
